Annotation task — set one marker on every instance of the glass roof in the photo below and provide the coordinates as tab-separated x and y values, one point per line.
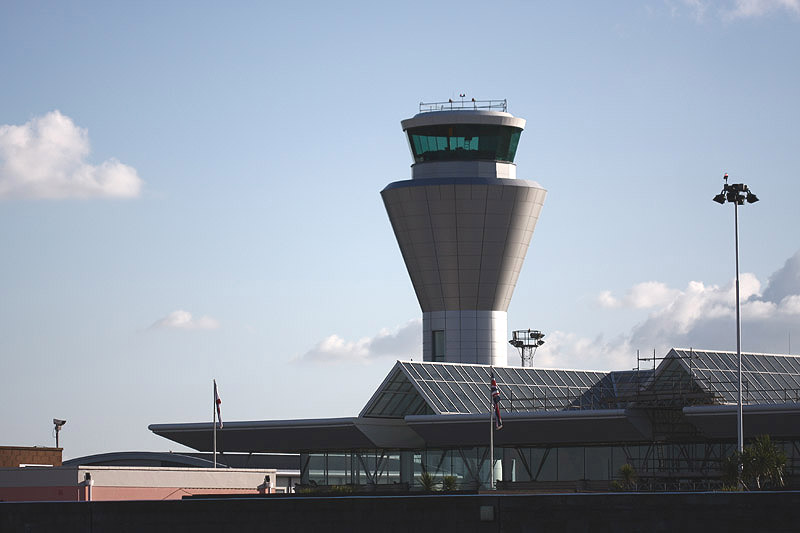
396	398
684	377
449	388
766	378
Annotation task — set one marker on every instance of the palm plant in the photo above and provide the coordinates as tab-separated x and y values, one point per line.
449	483
628	477
427	481
763	465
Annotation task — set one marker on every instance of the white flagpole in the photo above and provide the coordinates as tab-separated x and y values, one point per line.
214	418
491	435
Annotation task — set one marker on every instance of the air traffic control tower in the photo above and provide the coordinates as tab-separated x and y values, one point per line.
464	222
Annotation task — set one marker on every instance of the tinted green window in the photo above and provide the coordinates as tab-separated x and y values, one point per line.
464	142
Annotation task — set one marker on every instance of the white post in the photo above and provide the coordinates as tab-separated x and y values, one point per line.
491	434
214	422
739	421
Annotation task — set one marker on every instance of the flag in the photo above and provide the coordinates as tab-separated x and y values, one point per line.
498	421
217	402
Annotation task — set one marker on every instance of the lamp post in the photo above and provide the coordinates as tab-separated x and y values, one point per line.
737	194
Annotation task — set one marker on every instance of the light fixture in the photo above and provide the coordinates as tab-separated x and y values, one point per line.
58	423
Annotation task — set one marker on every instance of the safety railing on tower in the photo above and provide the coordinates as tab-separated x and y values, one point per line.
463	104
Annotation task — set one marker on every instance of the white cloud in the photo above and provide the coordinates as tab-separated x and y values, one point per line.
758	8
46	158
641	296
402	342
607	300
790	305
700	316
731	9
181	319
572	351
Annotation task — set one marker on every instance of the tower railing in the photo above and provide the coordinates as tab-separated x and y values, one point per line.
456	105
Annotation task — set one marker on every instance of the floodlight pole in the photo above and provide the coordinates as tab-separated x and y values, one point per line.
737	194
491	444
739	417
491	435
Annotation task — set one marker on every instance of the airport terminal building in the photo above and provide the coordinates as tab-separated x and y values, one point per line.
464	223
563	429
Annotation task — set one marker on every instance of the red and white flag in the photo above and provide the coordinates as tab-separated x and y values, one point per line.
217	402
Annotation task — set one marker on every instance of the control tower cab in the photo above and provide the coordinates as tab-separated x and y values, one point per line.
464	223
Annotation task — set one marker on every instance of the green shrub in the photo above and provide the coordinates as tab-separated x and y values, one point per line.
449	483
427	481
763	466
628	477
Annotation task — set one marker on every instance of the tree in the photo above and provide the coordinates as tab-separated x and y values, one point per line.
763	465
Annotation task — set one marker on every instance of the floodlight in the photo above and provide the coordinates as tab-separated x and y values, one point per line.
720	198
58	423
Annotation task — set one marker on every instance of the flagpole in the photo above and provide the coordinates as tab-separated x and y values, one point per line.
491	436
214	418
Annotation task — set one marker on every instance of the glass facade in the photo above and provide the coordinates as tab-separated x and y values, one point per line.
464	142
659	466
368	467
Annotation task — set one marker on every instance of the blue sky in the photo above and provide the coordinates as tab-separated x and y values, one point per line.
190	191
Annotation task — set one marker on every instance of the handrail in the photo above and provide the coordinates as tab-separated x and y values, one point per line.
455	105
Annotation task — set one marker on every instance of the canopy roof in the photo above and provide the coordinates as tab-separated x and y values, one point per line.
423	404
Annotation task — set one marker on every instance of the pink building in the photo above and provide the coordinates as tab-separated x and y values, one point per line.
87	483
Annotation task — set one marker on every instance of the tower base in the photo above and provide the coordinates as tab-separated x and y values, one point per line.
465	337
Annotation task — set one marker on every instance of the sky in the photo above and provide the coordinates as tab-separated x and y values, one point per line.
190	191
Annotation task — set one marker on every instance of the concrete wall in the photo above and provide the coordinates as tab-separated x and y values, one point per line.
624	512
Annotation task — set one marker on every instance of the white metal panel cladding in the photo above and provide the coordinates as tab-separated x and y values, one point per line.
464	243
